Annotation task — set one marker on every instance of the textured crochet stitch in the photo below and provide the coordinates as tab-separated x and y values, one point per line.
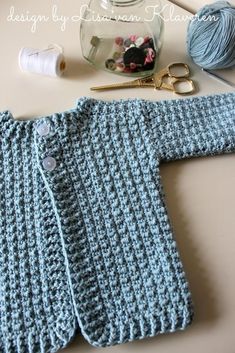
89	242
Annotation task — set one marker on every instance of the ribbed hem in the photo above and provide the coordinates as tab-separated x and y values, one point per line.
123	331
45	341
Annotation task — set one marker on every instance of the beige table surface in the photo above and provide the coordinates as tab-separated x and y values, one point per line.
200	192
194	5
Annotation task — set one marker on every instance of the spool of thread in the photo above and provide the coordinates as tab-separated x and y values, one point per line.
211	36
49	61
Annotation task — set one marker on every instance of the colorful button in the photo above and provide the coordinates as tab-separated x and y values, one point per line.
133	38
139	41
110	64
117	55
134	55
127	42
119	41
133	66
120	67
150	56
146	39
120	60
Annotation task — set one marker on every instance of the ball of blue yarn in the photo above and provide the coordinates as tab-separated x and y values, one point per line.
211	36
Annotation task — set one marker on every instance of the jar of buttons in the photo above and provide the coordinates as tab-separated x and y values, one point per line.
122	36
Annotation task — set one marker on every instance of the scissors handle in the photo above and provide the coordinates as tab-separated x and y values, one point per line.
179	85
178	70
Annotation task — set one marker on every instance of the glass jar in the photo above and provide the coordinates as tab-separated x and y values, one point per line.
123	36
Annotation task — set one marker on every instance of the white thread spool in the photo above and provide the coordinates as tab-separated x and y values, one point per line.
49	61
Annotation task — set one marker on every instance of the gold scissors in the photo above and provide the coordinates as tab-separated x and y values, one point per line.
174	77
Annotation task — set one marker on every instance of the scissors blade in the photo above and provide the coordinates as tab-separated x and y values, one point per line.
130	84
147	81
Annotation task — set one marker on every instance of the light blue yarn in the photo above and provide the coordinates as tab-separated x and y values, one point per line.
211	43
90	243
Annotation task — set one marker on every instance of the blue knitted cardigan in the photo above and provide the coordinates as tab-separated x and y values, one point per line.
85	237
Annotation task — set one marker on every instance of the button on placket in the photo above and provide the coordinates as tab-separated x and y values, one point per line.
49	162
43	129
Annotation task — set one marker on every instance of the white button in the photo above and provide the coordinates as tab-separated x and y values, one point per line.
43	129
139	41
49	163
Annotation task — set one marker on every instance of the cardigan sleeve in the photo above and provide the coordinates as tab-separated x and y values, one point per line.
192	127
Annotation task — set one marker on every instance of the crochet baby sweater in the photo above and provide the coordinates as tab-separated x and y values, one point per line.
85	237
